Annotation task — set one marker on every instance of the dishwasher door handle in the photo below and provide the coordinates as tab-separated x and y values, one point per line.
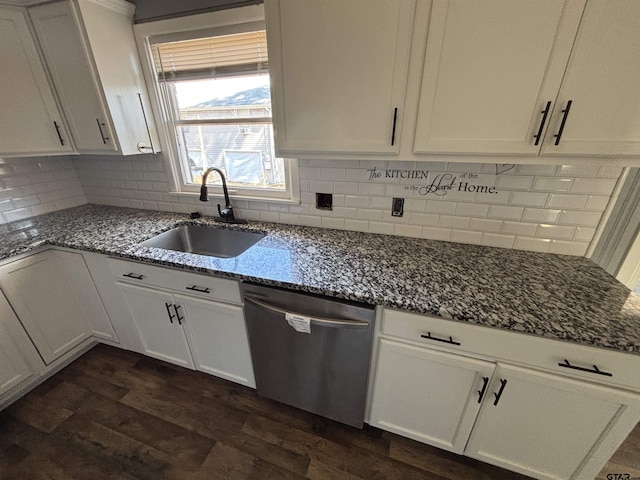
326	322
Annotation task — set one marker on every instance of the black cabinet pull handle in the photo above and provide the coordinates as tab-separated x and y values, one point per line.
443	340
195	288
393	129
485	382
175	308
564	120
171	317
595	369
100	125
133	275
55	124
544	113
503	383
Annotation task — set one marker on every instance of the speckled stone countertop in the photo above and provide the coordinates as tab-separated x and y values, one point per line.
555	296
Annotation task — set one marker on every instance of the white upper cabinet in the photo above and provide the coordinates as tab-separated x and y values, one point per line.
30	121
602	82
91	54
490	70
339	73
551	77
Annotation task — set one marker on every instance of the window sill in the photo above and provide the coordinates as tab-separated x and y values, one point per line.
281	201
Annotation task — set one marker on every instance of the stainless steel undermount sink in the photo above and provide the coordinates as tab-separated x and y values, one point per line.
211	241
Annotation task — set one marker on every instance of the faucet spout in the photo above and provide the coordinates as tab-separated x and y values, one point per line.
226	214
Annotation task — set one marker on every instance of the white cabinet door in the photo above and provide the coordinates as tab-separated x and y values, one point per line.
491	69
549	427
339	72
68	61
14	368
430	396
109	31
218	339
30	122
48	300
601	82
157	322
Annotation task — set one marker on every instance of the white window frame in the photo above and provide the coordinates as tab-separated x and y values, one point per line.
214	23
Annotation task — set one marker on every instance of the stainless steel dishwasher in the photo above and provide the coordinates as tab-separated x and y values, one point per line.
309	351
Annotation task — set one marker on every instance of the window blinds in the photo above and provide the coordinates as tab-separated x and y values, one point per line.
210	57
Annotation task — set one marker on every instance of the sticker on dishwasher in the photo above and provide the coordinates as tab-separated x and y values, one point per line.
299	323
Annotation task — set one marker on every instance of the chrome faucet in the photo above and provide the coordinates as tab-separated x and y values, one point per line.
226	213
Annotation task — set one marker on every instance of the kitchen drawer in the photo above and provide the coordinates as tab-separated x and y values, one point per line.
202	286
520	348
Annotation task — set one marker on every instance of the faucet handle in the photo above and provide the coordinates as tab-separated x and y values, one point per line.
220	211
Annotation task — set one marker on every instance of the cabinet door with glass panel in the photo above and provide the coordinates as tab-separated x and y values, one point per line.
216	95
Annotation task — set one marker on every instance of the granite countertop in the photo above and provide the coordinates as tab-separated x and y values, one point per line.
555	296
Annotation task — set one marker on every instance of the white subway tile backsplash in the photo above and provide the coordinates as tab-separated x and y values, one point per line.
584	219
541	215
555	232
380	227
596	186
501	197
495	240
458	223
578	170
371	189
505	213
433	233
609	172
465	236
537	169
584	234
568	248
532	244
528	199
425	219
344	188
369	214
566	200
514	182
336	223
408	230
440	206
472	210
597	203
411	205
356	201
345	212
519	229
553	184
321	186
485	225
269	216
310	220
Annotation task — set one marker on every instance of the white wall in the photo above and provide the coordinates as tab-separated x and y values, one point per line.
542	208
33	186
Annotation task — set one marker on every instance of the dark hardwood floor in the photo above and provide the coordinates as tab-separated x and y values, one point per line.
114	414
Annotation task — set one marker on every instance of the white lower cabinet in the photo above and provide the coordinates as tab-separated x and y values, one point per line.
430	396
156	319
204	330
56	301
15	368
547	426
541	424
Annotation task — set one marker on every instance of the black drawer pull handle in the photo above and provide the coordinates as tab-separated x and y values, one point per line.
171	317
133	275
175	308
503	383
564	120
393	130
443	340
595	369
485	382
544	113
195	288
55	124
100	125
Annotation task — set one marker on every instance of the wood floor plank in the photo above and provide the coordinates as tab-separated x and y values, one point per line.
320	471
184	448
39	413
446	464
355	461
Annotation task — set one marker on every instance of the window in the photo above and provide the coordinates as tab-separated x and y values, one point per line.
214	94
